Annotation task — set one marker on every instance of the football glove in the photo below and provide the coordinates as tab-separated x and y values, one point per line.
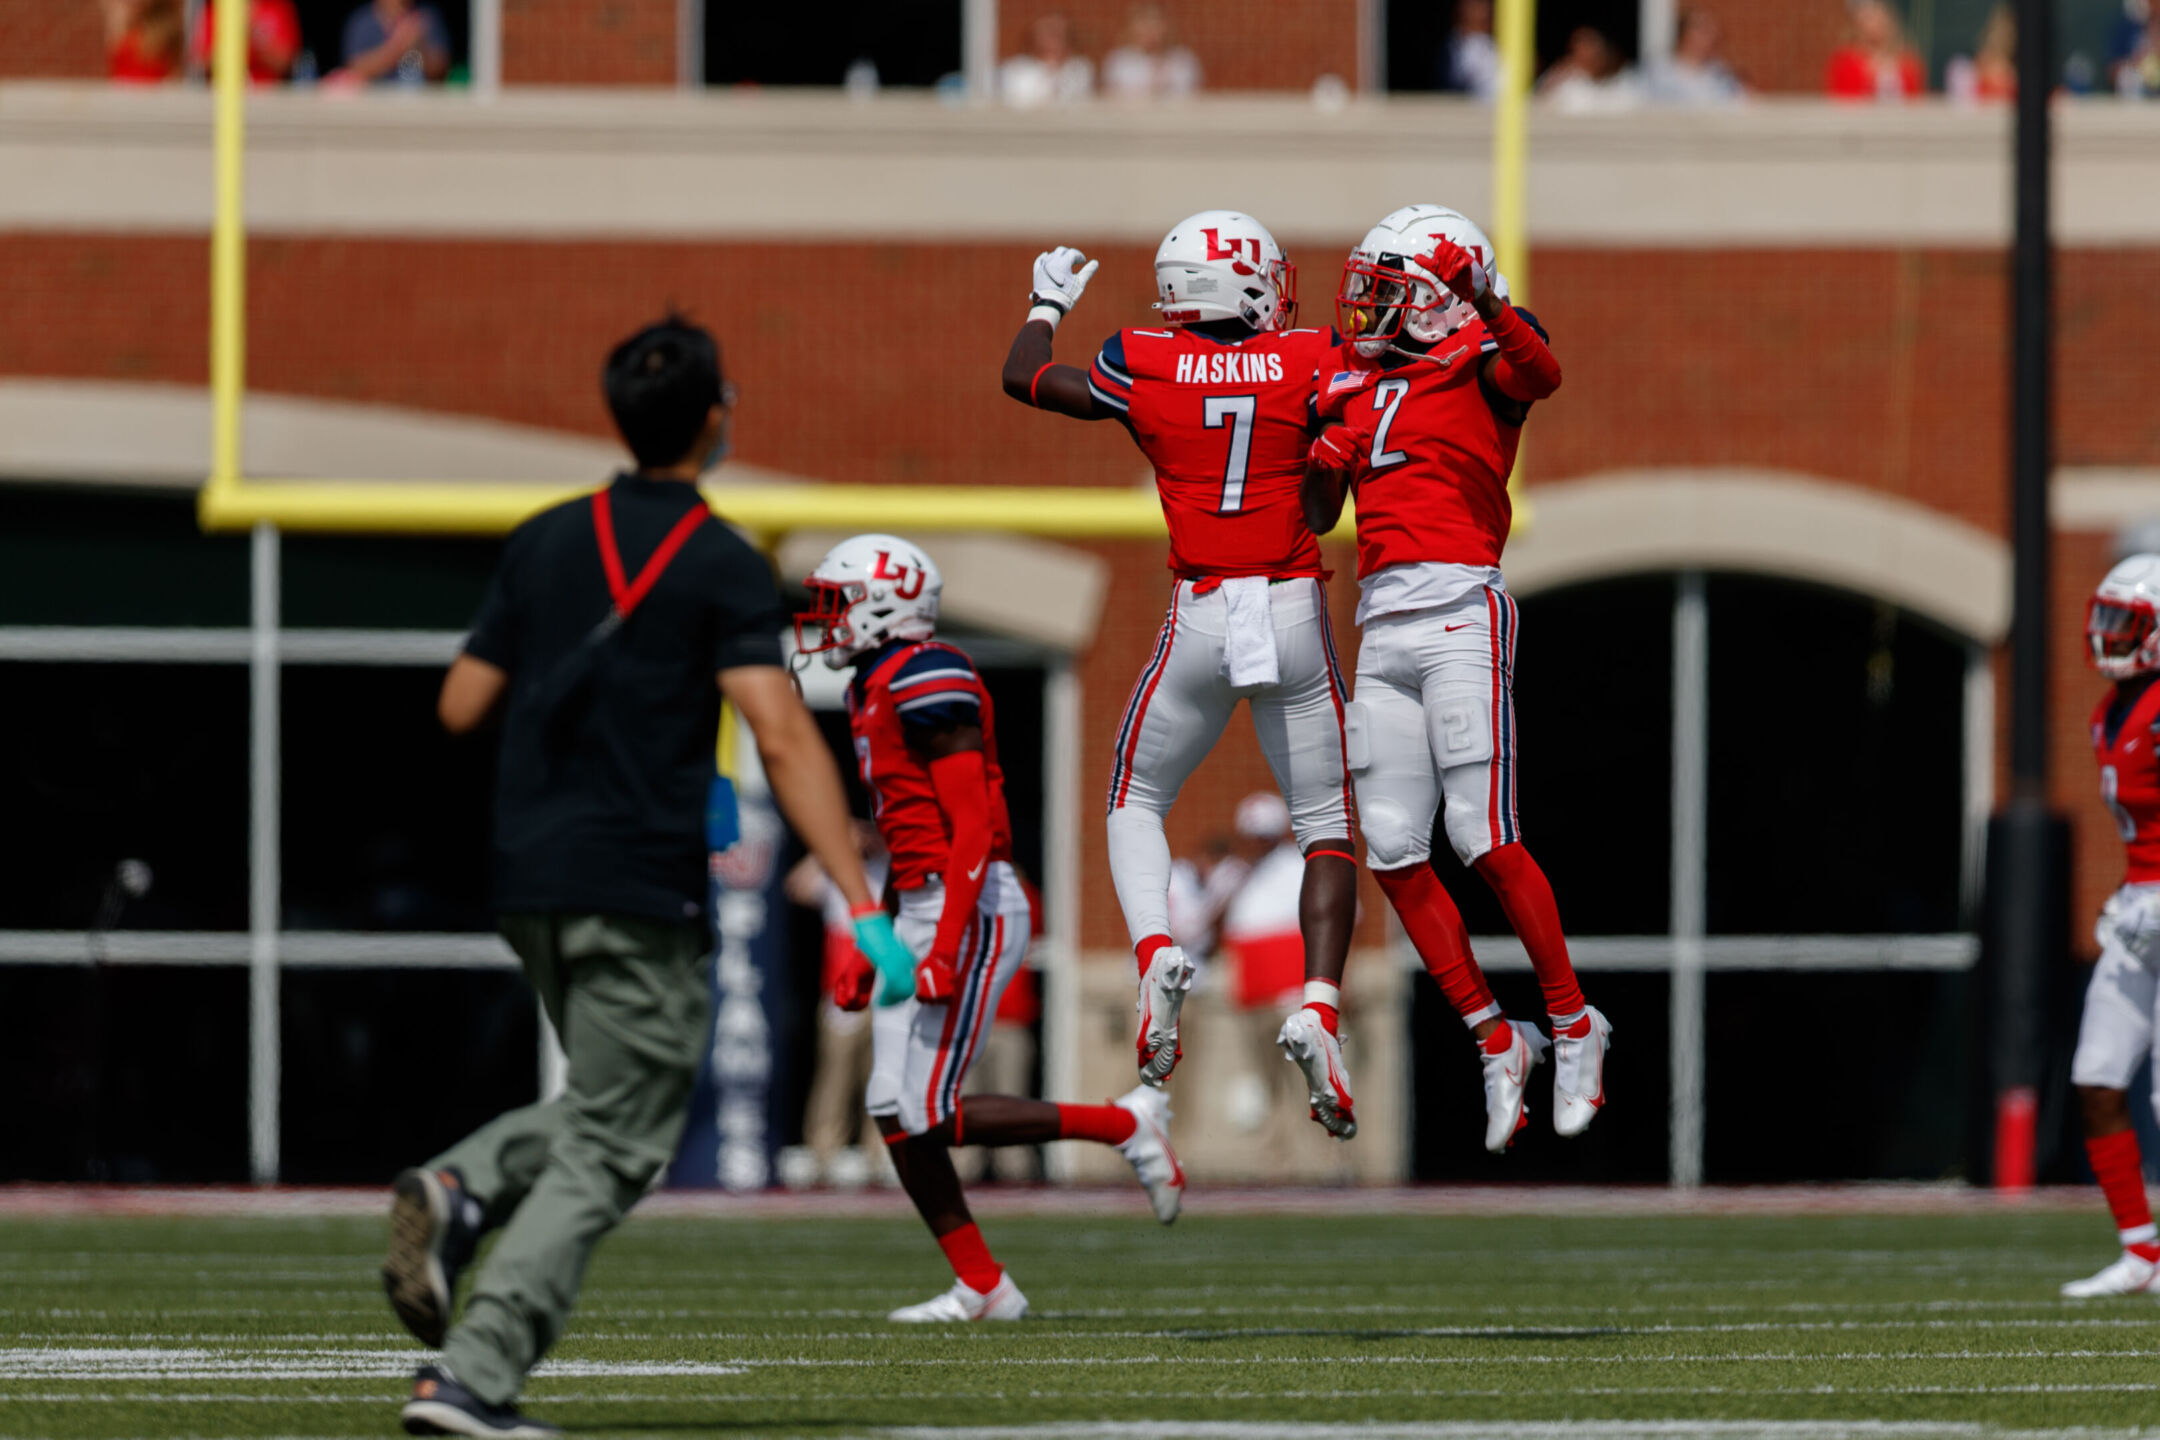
1060	276
1335	449
853	985
935	980
1459	270
895	965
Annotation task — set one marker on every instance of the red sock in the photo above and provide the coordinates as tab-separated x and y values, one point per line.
1144	952
1104	1124
1435	927
1526	895
2115	1164
1324	999
1498	1042
971	1260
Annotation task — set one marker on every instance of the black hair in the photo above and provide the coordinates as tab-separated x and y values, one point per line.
661	383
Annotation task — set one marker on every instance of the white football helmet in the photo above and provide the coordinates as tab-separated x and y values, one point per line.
866	591
1223	265
2121	636
1387	296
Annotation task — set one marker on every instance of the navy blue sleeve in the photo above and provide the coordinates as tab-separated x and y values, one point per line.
936	689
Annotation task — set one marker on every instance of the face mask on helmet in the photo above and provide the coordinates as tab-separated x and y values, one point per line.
1378	300
823	629
2120	638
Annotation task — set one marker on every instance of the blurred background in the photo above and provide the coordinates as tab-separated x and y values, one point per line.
1770	242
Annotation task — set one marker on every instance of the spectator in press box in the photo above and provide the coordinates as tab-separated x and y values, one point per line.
142	40
1697	74
273	40
1591	77
1147	66
1048	73
1989	74
394	42
1470	63
2135	71
1874	63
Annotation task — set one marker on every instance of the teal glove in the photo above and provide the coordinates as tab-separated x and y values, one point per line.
895	964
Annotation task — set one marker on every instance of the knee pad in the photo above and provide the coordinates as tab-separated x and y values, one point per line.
881	1097
1393	836
1467	811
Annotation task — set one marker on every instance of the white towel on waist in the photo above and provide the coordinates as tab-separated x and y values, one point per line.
1248	652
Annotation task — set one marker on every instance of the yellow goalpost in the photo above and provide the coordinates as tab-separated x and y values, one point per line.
230	500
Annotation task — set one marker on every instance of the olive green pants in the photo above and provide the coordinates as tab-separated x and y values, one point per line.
630	1001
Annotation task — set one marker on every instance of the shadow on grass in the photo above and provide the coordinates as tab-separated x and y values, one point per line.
1436	1332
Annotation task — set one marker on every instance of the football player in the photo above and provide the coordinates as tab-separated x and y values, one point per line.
926	741
2116	1032
1220	401
1423	423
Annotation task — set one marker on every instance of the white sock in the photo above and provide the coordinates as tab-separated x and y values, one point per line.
1323	992
1140	869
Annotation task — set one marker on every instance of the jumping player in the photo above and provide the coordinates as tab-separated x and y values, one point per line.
926	740
1440	375
1220	401
2117	1030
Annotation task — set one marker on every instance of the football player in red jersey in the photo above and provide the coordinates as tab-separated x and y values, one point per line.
926	742
2117	1031
1440	375
1220	401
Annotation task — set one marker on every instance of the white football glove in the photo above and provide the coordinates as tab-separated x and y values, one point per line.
1060	277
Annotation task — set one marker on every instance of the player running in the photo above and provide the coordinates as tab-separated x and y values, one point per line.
1220	402
926	740
2117	1031
1441	375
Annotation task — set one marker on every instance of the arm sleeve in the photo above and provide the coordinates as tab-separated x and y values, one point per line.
1526	369
748	615
494	633
962	781
1110	378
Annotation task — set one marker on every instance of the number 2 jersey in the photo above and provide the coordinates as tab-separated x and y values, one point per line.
2125	732
920	686
1227	425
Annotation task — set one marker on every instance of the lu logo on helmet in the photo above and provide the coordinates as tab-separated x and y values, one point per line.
1217	250
900	574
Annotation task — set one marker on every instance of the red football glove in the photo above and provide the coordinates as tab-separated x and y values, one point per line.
1335	449
935	980
855	982
1459	270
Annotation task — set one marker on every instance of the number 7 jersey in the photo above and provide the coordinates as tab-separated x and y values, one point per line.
1227	426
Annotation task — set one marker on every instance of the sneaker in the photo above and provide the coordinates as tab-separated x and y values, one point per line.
1579	1073
434	1226
1506	1076
961	1303
440	1405
2129	1275
1148	1150
1162	993
1305	1042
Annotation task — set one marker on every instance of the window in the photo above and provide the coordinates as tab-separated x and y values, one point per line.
913	43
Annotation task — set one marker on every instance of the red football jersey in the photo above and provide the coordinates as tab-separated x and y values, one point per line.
926	683
1432	480
1226	426
2130	778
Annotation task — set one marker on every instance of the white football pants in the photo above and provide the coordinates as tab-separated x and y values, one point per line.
1434	724
1178	710
2117	1030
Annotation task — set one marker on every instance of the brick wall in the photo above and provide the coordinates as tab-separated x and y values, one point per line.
588	42
1778	45
44	40
1885	370
1258	45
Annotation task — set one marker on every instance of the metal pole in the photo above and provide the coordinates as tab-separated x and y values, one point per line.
2027	844
486	62
1690	860
1515	33
1061	896
1657	27
264	1040
979	47
228	262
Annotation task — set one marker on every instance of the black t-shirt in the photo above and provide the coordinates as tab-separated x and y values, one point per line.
608	813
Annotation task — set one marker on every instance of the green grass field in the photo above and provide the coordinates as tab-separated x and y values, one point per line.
1224	1326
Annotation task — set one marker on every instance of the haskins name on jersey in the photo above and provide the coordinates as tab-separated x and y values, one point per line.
1232	367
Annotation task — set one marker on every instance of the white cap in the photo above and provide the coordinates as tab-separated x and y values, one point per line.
1262	815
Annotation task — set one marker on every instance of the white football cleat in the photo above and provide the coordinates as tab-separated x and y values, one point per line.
1306	1043
1579	1075
2129	1275
962	1303
1506	1076
1162	994
1148	1150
